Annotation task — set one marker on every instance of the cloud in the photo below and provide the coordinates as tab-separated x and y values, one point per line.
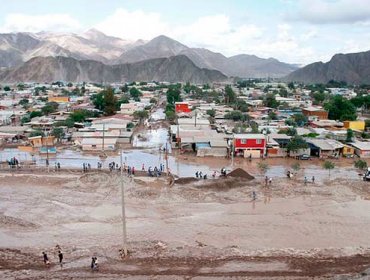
133	25
50	22
331	11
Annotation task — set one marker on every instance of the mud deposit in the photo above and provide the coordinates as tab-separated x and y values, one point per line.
202	229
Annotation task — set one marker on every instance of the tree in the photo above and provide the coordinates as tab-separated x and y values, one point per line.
300	119
20	86
319	97
135	93
349	135
25	119
291	131
291	86
141	115
296	167
125	88
6	88
360	164
24	103
37	132
328	165
296	143
263	167
272	116
341	109
230	96
173	95
170	115
270	101
35	114
235	116
58	132
211	113
110	102
50	107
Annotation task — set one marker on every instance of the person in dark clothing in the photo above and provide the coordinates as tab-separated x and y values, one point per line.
46	259
60	255
92	262
196	174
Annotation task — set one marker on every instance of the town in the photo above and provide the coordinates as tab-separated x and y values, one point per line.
250	120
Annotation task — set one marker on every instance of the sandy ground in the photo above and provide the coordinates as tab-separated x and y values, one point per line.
203	230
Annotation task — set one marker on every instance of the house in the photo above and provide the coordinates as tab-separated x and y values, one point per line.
325	148
58	99
215	148
354	125
250	145
96	144
362	149
315	113
39	141
182	107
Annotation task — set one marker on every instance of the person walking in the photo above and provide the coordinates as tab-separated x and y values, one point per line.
266	181
143	167
254	195
92	263
305	180
133	170
60	255
46	259
313	179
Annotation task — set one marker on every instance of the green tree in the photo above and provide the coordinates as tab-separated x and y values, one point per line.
230	96
170	115
110	102
50	107
270	101
58	132
34	114
291	86
135	93
300	119
296	143
272	116
360	164
173	95
25	103
328	165
25	119
141	115
296	167
37	132
291	131
341	109
235	116
211	113
125	88
6	88
350	135
20	86
319	97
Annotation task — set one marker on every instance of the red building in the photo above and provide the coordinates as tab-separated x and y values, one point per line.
250	145
182	107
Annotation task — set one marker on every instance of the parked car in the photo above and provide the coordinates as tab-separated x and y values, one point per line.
304	157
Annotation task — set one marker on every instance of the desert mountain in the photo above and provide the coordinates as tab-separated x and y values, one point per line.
16	48
48	69
248	66
353	68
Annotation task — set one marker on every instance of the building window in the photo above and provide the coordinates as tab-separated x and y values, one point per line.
243	141
259	141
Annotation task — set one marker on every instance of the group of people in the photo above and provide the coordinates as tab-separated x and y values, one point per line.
94	260
60	256
86	167
306	180
268	181
113	166
200	175
13	162
155	172
57	166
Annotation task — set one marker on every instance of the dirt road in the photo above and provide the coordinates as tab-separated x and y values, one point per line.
202	230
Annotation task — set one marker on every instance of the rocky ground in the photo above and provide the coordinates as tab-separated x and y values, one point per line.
196	229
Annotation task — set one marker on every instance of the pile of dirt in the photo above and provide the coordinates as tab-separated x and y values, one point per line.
185	180
240	173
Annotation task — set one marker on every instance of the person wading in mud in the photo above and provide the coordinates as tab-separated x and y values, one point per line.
46	259
266	181
60	255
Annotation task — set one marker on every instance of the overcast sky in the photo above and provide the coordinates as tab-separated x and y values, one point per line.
301	31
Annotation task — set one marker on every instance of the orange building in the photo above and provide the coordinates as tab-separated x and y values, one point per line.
321	114
182	107
58	99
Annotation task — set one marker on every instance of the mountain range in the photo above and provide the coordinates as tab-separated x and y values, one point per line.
93	45
352	68
49	69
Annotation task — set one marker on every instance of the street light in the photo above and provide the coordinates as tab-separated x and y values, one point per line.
123	209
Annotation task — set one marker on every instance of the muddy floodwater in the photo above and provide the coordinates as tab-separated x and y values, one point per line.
290	229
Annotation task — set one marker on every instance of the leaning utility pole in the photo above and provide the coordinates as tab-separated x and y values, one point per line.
123	209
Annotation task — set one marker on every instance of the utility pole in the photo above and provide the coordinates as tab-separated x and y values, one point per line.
166	156
123	209
232	155
103	136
